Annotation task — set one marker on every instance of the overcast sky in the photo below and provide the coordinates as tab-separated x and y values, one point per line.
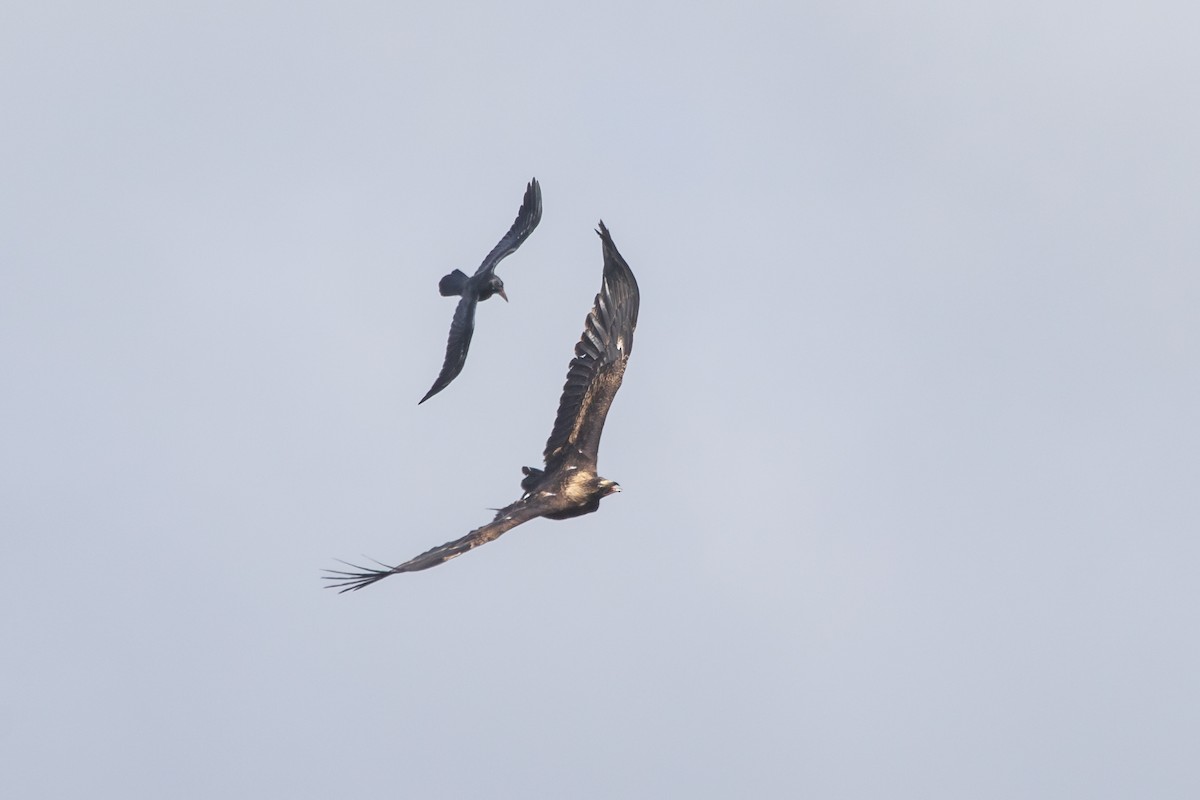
909	439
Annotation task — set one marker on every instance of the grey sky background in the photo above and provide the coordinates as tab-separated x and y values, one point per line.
908	441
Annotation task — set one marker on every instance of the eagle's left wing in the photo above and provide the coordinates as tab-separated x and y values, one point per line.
505	520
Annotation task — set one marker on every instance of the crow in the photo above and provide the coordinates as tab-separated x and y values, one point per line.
480	286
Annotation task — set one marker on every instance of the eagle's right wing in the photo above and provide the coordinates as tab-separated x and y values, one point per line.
596	370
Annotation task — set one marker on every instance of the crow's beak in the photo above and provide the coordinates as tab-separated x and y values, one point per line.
502	294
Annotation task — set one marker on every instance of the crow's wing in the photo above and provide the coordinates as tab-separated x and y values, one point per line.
527	219
462	327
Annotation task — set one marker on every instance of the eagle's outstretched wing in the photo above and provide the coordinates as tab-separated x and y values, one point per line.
596	370
505	520
527	219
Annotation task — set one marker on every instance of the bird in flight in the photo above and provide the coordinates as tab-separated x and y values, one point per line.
568	486
480	286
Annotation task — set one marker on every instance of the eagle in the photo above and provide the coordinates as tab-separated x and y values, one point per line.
480	286
567	485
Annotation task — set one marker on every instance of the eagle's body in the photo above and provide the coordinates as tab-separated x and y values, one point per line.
569	485
476	288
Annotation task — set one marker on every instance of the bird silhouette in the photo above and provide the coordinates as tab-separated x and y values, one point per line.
568	485
480	286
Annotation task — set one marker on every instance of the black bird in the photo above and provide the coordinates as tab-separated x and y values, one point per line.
480	286
569	485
